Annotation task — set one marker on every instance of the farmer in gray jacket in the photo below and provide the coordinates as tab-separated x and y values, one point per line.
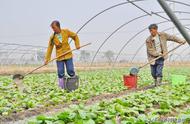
157	46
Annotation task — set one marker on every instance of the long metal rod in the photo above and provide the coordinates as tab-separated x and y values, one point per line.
147	11
114	32
123	25
22	45
22	57
178	56
175	20
184	50
140	32
7	56
114	6
117	5
101	12
182	3
143	11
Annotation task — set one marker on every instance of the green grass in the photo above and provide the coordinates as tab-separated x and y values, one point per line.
43	90
137	108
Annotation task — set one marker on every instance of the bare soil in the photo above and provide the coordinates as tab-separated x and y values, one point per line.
14	69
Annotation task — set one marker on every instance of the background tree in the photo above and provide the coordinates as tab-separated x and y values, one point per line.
40	55
84	56
109	55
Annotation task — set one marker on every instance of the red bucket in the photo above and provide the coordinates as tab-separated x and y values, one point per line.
130	81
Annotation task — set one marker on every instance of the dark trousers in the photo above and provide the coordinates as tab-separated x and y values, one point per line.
69	67
156	69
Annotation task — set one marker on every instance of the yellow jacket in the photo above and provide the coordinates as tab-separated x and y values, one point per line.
62	47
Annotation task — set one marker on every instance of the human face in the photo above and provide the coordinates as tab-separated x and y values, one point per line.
55	28
153	32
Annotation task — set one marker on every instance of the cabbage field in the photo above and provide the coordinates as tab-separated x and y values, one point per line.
101	98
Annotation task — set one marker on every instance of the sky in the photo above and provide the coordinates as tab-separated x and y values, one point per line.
28	22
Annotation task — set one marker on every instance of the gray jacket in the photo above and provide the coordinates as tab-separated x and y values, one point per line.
164	37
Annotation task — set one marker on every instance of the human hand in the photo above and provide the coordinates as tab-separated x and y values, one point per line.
162	55
46	62
78	48
183	42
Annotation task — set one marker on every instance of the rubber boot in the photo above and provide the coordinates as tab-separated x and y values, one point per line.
155	82
159	80
61	83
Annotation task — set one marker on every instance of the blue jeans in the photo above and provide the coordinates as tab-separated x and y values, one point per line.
156	69
69	67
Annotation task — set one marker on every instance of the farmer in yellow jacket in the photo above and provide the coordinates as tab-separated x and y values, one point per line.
60	40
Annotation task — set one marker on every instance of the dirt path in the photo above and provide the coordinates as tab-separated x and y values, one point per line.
22	117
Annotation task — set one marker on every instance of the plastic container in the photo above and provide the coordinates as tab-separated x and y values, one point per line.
130	81
178	79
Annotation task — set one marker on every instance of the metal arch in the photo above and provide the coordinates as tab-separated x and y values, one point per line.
183	51
178	55
179	25
134	36
177	11
32	50
24	62
23	53
132	39
27	53
11	53
14	52
134	19
19	50
22	57
116	5
142	30
144	43
99	13
188	54
126	23
117	28
139	32
14	44
119	5
32	55
18	47
182	3
137	52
